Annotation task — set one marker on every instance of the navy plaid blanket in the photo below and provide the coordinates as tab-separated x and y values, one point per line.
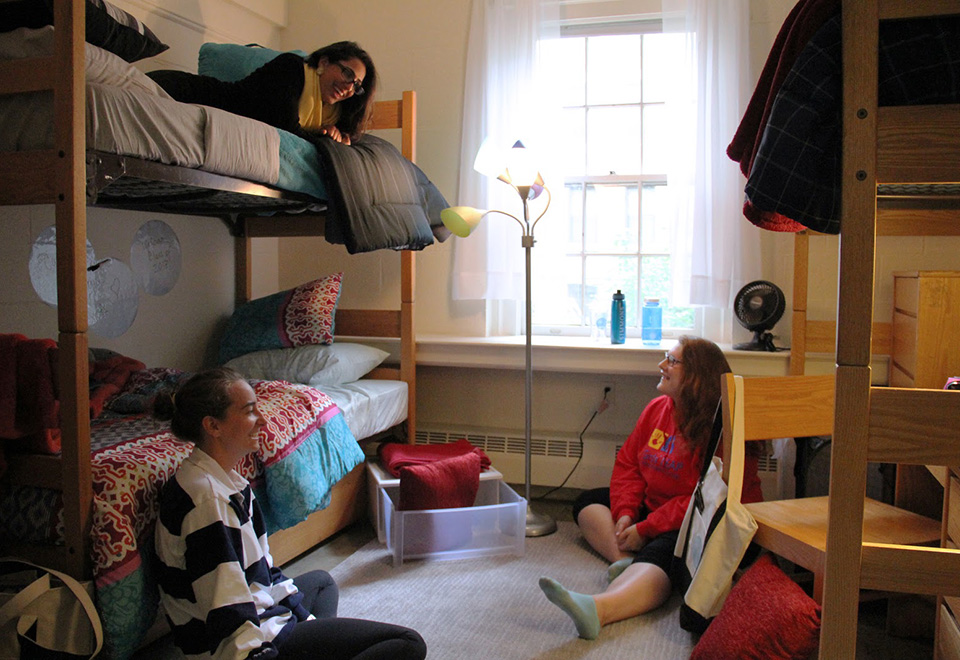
796	172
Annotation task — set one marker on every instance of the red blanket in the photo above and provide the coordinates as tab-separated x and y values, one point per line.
29	401
29	406
395	455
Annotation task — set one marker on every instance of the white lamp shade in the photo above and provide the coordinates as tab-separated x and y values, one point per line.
521	166
461	220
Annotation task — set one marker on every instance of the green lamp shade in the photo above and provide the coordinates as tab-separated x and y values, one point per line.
461	220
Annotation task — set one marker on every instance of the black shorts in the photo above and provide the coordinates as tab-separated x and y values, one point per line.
658	550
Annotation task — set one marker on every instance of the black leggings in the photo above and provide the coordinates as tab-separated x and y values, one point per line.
333	638
658	550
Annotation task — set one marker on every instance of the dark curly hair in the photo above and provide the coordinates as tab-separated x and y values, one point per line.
355	112
205	393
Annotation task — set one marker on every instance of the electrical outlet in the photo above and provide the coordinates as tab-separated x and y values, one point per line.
607	393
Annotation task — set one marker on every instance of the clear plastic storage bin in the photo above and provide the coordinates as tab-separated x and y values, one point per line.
378	477
496	524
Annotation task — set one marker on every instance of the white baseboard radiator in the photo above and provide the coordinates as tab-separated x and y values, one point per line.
552	458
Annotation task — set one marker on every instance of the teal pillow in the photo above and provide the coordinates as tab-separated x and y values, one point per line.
232	62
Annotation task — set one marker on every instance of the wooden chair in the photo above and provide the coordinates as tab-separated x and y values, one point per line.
796	529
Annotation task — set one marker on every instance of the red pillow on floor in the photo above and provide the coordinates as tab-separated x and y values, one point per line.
766	616
445	484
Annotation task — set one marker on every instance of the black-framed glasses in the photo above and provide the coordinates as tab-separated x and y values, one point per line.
672	361
351	78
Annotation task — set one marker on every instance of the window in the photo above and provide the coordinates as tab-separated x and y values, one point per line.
610	227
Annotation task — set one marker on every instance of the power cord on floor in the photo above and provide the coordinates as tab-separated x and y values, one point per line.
599	409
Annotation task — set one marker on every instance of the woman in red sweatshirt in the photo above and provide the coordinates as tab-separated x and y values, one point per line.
635	522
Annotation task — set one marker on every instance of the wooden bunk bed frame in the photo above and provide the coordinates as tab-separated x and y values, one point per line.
907	144
60	176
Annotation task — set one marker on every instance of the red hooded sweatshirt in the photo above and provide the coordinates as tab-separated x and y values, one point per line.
656	471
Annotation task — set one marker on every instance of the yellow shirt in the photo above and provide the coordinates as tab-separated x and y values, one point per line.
313	113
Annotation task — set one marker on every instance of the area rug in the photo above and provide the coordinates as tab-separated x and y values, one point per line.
492	608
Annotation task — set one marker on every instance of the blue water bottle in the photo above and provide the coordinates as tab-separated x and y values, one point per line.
618	319
651	328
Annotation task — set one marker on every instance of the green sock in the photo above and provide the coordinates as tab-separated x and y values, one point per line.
579	607
618	567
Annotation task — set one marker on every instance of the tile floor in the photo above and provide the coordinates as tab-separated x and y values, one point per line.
873	643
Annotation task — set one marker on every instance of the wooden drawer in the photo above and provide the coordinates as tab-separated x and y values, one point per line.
953	511
948	638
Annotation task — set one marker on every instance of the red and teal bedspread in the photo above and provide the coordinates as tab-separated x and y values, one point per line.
306	447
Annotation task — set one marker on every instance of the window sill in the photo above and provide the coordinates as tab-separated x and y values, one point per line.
577	355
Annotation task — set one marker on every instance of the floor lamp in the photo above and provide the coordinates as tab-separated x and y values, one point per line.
462	220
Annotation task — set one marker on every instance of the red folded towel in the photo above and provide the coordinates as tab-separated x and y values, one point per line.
449	483
395	455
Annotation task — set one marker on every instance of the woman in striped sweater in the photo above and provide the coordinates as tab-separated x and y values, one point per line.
222	594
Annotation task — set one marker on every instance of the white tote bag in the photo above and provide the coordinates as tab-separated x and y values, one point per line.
61	621
717	529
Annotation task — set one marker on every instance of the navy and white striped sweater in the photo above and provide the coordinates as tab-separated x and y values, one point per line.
222	594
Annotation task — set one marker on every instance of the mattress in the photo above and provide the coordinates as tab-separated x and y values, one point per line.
129	115
370	406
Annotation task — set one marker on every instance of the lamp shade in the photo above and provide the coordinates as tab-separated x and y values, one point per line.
521	167
461	220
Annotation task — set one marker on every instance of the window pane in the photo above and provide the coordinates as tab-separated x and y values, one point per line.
656	139
574	220
655	229
613	136
613	69
604	275
659	52
573	138
557	290
656	278
611	223
566	60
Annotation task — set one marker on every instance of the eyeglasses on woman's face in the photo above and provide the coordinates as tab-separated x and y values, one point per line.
672	361
350	78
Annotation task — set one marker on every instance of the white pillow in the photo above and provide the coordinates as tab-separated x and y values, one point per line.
314	364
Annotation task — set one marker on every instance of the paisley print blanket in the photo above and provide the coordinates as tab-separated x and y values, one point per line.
306	447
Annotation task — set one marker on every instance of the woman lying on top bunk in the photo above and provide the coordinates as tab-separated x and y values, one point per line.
329	92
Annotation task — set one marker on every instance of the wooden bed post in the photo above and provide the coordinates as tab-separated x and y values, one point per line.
71	223
854	328
801	273
408	277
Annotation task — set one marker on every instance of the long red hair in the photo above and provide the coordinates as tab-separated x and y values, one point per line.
699	392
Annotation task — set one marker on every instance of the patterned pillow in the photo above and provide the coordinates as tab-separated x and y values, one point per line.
297	317
107	26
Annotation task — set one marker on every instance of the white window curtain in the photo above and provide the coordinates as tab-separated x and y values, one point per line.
717	250
501	104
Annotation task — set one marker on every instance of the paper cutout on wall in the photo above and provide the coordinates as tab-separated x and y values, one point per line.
113	295
155	257
43	265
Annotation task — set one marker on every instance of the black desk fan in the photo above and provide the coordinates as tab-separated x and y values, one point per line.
758	306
